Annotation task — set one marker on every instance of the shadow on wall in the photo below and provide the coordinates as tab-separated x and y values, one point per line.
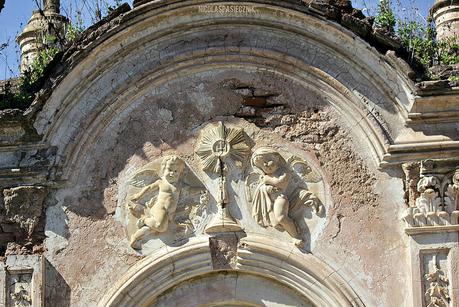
57	291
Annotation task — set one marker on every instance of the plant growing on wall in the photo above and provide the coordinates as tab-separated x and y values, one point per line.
385	18
30	81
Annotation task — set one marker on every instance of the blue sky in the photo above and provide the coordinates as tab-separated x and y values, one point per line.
17	12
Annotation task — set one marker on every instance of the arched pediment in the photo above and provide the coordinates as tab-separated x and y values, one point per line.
157	44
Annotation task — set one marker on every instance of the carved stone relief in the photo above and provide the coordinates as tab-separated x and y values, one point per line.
157	191
219	149
436	282
170	197
223	250
20	289
436	196
273	193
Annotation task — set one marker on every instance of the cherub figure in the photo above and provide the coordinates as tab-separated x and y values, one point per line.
270	203
160	211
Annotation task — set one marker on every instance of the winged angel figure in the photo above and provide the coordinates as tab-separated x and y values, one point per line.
162	192
278	188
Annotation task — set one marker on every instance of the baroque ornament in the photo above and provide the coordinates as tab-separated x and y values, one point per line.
272	195
436	202
21	297
219	147
165	199
155	205
437	294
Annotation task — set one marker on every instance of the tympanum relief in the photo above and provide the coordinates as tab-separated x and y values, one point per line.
176	197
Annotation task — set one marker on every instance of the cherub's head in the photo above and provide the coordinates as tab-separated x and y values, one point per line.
267	160
171	168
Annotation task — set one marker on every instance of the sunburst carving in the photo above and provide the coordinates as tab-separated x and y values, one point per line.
219	144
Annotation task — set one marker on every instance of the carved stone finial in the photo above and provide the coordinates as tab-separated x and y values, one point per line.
445	14
41	25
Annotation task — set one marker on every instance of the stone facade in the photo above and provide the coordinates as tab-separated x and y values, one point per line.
204	153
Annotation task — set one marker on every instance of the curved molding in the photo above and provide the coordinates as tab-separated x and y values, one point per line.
86	95
345	102
168	267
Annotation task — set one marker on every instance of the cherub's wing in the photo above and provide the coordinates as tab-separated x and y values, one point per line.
303	170
192	205
143	178
191	211
251	183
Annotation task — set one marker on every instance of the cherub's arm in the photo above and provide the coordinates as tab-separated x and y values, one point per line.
148	189
280	181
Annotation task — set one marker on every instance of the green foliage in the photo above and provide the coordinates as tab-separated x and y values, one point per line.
30	80
420	41
73	31
385	18
448	51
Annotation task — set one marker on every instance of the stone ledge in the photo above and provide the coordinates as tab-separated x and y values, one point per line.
431	229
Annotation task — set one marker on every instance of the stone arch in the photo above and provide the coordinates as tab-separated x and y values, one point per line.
303	273
95	92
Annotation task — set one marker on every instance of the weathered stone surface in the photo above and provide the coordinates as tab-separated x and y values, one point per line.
24	206
144	85
433	85
445	14
386	39
224	251
356	25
